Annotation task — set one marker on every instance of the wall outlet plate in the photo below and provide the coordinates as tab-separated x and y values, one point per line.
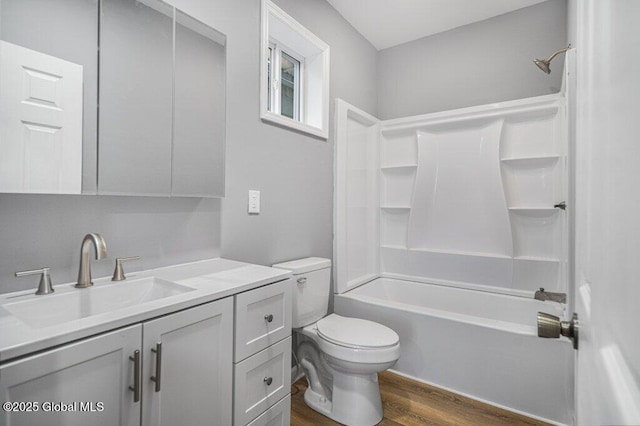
254	202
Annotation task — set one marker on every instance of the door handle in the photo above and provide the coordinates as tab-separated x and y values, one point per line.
158	377
136	376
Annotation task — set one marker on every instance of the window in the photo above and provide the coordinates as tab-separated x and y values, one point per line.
294	74
284	76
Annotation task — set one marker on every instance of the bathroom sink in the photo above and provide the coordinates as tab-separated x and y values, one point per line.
45	311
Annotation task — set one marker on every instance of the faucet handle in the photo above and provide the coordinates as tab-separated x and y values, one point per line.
45	279
118	273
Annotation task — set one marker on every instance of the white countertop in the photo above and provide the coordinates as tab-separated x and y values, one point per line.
212	279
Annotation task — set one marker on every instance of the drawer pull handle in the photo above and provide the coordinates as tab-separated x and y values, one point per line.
136	376
268	318
158	377
268	380
302	280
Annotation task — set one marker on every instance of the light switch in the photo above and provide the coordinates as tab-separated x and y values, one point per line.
254	202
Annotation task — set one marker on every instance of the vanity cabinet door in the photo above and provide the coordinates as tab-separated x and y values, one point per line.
90	377
136	98
187	374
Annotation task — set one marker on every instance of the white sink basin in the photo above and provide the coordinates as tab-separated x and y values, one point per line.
45	311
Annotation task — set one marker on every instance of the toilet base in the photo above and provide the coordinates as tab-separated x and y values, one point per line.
355	400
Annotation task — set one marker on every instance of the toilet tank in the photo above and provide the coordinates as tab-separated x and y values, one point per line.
311	288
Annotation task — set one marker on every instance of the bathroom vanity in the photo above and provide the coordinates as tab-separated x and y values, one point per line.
207	342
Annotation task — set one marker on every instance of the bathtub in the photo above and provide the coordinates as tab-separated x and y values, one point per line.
478	344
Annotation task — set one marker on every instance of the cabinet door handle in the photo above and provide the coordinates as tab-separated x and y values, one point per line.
268	318
268	380
158	377
136	376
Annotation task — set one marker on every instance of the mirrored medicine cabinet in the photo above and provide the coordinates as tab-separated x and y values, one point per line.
113	97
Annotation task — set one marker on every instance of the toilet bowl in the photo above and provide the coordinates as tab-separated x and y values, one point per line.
341	356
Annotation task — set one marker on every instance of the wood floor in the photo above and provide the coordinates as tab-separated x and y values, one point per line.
407	402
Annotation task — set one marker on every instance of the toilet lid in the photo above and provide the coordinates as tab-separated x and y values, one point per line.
355	332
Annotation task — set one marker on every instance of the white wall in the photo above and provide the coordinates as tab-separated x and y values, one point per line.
477	64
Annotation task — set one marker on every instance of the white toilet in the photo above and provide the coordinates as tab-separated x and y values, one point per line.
341	356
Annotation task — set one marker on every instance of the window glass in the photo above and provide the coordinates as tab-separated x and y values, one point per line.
289	68
269	77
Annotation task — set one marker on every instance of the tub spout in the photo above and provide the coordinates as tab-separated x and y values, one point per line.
548	295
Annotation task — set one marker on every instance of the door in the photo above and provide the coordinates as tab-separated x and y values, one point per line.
188	367
83	383
40	122
607	211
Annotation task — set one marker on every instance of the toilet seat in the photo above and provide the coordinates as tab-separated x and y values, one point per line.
334	346
356	333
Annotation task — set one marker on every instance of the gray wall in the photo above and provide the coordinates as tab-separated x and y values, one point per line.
480	63
46	230
293	171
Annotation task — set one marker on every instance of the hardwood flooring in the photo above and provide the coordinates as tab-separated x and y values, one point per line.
410	403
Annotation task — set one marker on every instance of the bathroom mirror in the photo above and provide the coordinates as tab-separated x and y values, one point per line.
162	119
48	96
161	87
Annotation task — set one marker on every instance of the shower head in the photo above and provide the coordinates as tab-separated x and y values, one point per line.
544	64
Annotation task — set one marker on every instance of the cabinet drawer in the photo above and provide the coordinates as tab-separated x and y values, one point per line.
260	381
278	415
263	317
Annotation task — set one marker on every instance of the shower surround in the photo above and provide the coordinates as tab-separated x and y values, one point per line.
471	199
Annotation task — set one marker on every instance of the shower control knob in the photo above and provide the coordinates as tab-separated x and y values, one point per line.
562	205
550	327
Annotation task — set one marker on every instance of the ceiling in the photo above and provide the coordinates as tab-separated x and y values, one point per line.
387	23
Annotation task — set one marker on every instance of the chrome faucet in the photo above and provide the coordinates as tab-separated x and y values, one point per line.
84	272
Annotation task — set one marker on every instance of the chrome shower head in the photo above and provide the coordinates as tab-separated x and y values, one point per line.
544	64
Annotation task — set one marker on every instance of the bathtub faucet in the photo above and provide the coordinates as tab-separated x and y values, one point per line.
548	295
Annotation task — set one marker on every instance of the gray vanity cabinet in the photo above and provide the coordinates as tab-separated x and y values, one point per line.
162	102
136	98
184	375
82	383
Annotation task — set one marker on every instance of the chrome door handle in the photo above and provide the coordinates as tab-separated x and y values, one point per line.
268	380
136	376
158	377
550	327
268	318
301	280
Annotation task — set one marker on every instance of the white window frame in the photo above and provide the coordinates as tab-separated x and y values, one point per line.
282	32
276	49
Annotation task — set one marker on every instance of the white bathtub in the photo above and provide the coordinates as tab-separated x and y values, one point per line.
478	344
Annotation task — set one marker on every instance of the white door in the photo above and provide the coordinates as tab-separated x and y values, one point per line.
188	367
40	122
607	211
91	378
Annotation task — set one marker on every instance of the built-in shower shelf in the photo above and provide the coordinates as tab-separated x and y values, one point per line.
533	210
538	259
462	253
530	160
395	207
399	167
